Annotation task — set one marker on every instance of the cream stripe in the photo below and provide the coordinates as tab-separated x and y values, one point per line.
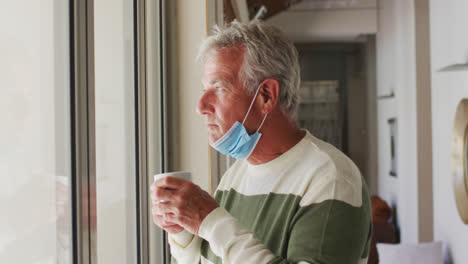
321	173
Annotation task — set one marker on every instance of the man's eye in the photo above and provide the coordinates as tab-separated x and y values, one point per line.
219	89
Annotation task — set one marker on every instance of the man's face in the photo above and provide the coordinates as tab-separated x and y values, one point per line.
224	101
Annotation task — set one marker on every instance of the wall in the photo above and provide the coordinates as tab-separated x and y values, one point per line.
387	107
191	138
388	187
116	230
449	46
402	89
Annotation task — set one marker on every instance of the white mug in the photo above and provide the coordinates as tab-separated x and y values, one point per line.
184	175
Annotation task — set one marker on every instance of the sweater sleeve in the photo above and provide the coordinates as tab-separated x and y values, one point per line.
185	247
315	238
232	242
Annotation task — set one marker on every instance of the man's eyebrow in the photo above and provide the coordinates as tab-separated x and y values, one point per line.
220	81
216	81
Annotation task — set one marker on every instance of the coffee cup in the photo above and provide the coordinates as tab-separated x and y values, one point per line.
184	175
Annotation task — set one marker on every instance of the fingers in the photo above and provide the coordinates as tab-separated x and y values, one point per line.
160	194
187	224
186	204
167	226
174	229
163	208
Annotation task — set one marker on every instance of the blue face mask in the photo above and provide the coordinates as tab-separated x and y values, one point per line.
237	142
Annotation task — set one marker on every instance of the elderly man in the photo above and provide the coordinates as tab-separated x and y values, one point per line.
289	197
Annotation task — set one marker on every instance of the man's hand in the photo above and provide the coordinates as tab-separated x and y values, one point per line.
180	204
168	226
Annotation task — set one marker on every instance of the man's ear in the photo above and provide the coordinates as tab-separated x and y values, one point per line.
269	95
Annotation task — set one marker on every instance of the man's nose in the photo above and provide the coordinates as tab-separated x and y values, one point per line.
203	106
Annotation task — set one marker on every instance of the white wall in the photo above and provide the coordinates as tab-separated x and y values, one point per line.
449	46
395	75
400	72
192	139
115	134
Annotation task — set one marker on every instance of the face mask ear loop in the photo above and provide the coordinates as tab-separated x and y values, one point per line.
262	123
251	104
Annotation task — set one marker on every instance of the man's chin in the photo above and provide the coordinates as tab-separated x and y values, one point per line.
213	134
212	138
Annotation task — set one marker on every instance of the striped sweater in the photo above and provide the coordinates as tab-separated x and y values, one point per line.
309	205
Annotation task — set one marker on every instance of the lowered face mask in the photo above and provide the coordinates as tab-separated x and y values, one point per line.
237	142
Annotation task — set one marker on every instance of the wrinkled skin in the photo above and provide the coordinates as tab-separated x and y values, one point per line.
179	205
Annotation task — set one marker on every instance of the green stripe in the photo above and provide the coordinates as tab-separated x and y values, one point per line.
331	231
344	233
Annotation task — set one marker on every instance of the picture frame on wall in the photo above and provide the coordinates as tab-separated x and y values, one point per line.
392	124
459	157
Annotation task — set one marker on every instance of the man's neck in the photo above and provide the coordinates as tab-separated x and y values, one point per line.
277	138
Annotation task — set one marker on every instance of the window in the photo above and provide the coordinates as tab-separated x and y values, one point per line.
81	131
35	186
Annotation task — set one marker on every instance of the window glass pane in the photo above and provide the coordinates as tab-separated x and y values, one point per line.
35	225
115	131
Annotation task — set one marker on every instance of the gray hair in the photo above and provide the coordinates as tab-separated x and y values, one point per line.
268	54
